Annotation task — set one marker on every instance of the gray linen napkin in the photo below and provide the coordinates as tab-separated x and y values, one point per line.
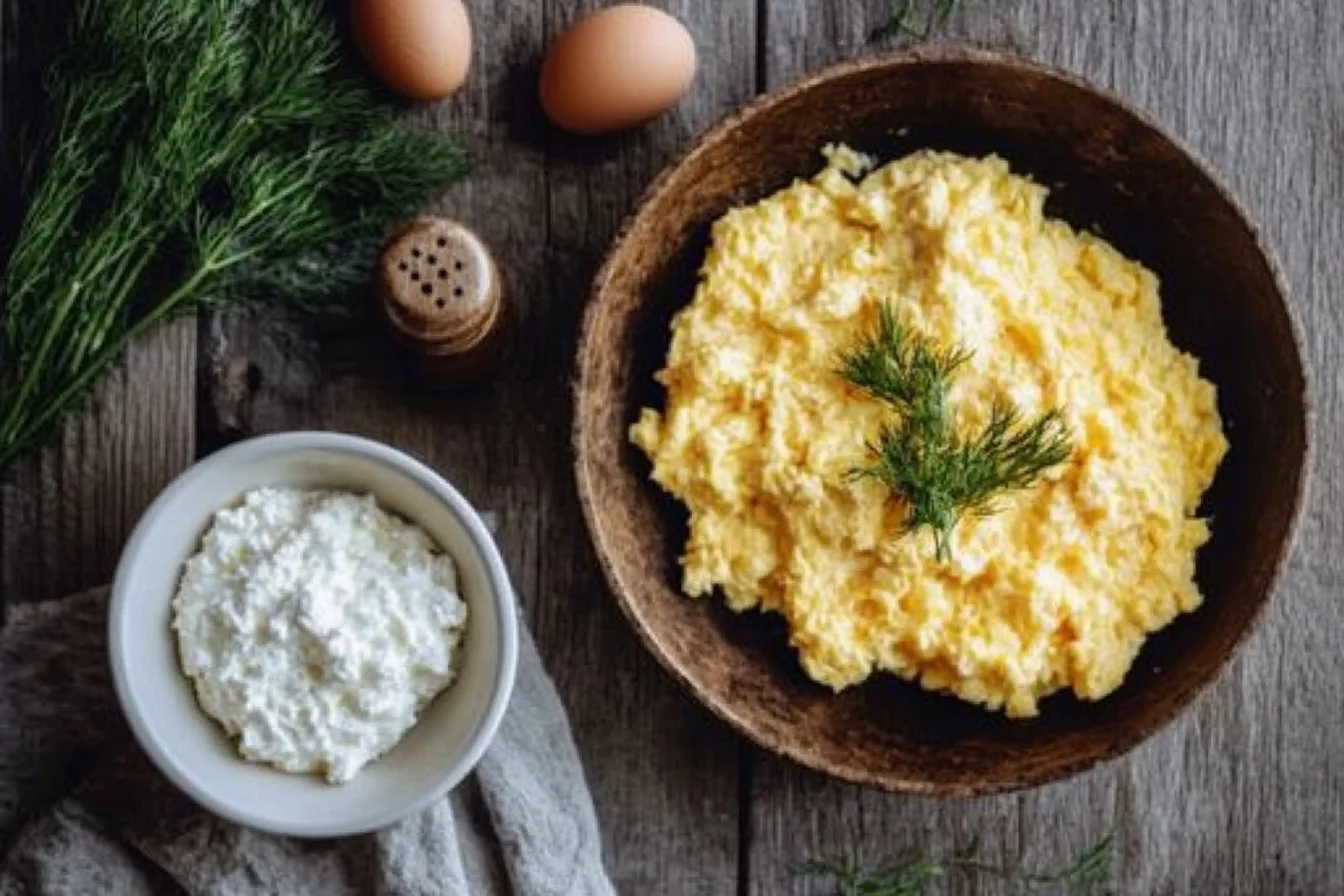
82	811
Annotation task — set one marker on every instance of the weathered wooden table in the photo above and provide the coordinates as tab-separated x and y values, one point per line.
1244	794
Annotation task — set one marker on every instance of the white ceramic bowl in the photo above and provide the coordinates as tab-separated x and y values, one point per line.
191	748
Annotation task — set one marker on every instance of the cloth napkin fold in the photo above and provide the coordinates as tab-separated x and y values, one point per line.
82	811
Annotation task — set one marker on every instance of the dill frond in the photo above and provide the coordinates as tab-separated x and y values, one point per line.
1092	867
908	876
199	152
1007	455
940	473
912	875
915	18
908	373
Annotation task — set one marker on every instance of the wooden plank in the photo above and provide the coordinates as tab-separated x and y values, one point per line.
1244	794
66	509
664	778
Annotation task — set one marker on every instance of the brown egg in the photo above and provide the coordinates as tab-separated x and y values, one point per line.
420	48
617	68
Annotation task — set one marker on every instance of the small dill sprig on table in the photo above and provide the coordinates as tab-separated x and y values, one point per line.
915	18
912	875
941	473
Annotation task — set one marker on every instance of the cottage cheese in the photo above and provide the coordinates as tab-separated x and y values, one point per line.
316	626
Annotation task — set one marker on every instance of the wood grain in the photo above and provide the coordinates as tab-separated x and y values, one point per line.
664	778
1242	795
66	509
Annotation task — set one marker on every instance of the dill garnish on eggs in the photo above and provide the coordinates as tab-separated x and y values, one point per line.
940	472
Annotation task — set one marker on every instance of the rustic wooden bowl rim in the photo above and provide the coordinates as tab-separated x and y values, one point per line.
1191	688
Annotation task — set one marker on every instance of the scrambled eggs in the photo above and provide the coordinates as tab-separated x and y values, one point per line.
1056	590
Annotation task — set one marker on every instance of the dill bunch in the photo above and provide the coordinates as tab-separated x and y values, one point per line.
942	473
195	153
912	875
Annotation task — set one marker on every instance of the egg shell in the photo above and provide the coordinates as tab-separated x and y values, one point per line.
419	48
617	68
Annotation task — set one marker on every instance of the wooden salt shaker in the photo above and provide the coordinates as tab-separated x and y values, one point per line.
442	293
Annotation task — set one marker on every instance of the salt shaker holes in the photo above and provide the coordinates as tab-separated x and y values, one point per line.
441	292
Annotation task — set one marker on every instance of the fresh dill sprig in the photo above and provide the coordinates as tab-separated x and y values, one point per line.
194	153
943	474
1093	866
915	18
908	373
912	875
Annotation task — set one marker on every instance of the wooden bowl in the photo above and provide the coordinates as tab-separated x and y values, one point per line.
1111	169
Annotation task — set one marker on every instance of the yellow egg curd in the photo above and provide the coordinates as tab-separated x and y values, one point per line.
1059	588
